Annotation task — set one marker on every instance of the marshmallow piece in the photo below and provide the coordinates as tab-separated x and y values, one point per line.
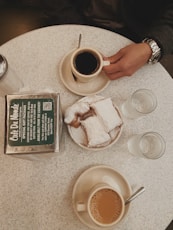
105	110
72	111
95	132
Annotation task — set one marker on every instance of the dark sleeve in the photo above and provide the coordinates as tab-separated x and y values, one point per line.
62	12
150	18
161	29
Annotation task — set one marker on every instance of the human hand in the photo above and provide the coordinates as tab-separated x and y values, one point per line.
127	60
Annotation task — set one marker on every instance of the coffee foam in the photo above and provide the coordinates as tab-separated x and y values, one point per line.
106	206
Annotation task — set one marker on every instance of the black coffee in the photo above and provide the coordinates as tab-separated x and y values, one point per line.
86	63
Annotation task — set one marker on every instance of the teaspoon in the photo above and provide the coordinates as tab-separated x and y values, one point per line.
3	66
79	41
134	195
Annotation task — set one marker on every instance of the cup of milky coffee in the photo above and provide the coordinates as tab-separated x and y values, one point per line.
104	205
87	63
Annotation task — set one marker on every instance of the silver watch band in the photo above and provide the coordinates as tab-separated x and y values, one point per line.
156	51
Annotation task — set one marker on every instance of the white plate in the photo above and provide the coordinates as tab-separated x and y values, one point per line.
79	137
95	86
93	176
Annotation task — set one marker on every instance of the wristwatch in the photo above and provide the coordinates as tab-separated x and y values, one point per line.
156	51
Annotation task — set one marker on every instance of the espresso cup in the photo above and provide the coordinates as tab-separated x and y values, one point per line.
86	64
104	205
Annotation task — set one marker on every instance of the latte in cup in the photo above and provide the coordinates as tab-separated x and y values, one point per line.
106	206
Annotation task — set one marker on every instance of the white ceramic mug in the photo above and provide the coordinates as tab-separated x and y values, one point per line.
87	63
104	205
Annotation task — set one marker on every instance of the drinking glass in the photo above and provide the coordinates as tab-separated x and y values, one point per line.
148	145
140	103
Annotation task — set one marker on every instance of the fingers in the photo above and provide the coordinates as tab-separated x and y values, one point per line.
114	71
115	64
127	61
115	75
114	58
117	70
112	68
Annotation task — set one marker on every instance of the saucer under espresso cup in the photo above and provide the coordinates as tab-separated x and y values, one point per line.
97	84
86	64
99	174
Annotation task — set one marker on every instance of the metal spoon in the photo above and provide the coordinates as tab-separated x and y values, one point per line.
79	41
134	195
3	66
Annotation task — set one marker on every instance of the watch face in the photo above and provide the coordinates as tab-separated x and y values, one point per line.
156	52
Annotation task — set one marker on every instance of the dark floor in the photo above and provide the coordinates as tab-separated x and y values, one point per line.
170	227
15	21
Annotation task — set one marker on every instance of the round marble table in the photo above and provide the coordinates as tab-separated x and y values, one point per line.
37	195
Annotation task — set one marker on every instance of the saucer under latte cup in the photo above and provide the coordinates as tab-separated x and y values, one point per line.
86	64
104	205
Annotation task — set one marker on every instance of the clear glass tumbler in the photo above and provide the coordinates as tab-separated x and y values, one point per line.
140	103
148	145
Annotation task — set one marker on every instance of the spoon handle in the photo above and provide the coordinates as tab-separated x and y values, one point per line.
79	41
134	195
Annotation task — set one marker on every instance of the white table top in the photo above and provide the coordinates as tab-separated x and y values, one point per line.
37	195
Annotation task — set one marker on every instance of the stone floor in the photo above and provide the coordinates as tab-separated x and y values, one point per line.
16	21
